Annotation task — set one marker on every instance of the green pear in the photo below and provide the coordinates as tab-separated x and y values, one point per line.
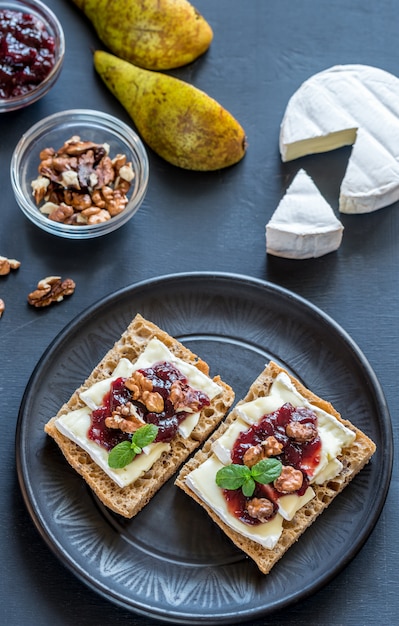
154	34
179	122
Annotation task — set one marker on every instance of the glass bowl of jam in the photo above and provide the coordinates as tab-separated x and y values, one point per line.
79	173
32	48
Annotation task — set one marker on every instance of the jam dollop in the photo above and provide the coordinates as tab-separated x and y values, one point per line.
303	456
162	375
27	53
98	432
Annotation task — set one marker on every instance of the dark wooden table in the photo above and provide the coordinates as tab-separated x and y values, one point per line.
262	52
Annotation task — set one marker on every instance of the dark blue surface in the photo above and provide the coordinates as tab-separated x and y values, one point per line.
261	53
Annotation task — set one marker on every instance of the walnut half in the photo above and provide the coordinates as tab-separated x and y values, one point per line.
260	508
142	391
6	265
289	481
51	289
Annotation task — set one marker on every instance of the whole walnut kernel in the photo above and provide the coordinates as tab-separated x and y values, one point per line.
50	290
289	481
301	432
260	508
253	455
272	446
142	391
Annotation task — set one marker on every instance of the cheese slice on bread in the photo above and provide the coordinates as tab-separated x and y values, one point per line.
340	451
128	489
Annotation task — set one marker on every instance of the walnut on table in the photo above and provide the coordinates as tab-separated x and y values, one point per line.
6	265
50	290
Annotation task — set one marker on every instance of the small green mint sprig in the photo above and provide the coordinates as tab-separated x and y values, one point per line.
124	453
236	476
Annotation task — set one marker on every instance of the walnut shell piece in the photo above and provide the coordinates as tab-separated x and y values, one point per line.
50	290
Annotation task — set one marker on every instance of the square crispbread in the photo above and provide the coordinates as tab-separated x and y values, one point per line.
129	500
353	458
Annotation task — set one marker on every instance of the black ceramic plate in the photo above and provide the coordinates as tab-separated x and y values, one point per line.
171	562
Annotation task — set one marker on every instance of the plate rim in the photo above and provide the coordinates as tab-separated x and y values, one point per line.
83	318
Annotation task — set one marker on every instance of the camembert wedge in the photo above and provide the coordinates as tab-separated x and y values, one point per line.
304	224
349	105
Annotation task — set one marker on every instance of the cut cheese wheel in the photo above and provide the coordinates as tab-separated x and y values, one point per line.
303	225
345	105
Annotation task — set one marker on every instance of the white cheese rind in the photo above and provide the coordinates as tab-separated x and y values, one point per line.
334	437
345	105
304	225
221	447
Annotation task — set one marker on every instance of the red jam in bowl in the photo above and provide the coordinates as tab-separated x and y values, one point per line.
27	53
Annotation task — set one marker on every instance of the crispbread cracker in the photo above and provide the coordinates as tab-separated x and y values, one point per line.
353	458
128	501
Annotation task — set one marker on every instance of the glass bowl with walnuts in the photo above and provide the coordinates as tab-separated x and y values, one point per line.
80	173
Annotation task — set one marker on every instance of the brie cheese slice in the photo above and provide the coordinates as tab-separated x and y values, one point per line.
304	225
349	105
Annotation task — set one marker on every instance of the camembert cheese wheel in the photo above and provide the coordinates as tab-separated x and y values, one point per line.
349	105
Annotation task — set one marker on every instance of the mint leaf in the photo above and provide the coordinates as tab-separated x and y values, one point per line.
266	470
236	476
124	453
145	435
248	487
136	449
121	455
232	476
